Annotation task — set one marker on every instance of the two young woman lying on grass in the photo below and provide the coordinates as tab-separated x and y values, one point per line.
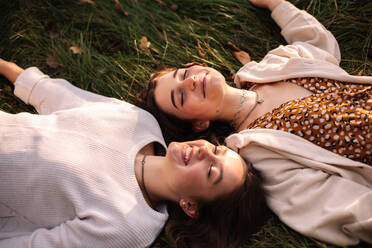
93	171
301	120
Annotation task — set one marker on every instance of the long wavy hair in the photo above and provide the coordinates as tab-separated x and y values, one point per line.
225	222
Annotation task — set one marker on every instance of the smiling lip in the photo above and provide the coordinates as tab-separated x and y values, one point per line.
187	152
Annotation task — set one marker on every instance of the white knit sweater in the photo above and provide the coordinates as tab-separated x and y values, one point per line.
316	192
67	176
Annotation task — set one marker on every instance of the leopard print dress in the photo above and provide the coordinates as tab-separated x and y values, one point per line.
337	117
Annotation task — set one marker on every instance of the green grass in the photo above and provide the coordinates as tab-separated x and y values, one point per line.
112	64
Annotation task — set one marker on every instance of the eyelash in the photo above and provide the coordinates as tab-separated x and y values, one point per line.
184	74
182	92
211	165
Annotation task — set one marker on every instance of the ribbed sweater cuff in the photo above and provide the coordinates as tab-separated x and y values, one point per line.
26	82
283	13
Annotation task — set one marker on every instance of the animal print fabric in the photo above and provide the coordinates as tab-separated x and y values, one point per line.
337	117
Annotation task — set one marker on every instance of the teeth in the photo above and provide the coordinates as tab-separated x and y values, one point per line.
187	155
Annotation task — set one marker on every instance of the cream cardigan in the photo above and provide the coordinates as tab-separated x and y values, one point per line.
316	192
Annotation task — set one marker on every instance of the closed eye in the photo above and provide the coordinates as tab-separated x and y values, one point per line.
211	165
184	74
210	170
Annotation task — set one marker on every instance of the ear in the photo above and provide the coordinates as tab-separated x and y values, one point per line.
199	126
190	207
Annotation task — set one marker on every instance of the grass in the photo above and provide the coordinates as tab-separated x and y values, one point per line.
112	63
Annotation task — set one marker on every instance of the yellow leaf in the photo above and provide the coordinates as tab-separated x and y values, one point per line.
201	51
242	56
75	50
144	44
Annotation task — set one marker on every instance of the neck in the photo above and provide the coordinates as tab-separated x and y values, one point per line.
153	181
231	103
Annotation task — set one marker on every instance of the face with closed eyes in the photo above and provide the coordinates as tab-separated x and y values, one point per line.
193	93
201	170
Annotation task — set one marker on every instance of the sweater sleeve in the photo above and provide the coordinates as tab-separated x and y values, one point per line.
48	95
299	27
76	233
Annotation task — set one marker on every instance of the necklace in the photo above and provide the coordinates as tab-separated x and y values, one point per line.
243	98
143	179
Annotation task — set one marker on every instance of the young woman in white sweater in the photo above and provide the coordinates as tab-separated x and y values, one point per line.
304	123
93	171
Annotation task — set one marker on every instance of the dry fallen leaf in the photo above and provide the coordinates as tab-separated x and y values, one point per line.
161	3
242	56
87	1
201	51
75	49
360	73
52	61
144	44
232	45
174	7
120	7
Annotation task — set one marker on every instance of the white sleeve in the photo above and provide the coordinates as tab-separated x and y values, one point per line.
300	28
48	95
74	233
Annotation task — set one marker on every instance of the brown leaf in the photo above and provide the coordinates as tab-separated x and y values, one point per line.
75	49
232	45
52	61
201	51
155	50
174	7
161	3
360	73
120	7
144	44
242	56
87	1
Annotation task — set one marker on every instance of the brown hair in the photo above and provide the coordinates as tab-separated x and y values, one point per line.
175	129
224	222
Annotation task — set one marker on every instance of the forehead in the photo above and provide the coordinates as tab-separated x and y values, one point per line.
165	84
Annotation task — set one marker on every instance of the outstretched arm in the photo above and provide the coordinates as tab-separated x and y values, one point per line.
10	70
46	94
268	4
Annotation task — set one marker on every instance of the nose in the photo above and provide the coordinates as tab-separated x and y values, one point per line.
206	152
188	83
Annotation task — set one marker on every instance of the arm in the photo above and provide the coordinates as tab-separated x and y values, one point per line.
73	233
301	29
45	94
10	70
316	192
268	4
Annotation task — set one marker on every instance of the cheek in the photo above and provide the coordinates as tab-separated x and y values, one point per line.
191	179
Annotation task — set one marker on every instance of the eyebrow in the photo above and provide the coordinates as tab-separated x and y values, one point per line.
219	179
172	99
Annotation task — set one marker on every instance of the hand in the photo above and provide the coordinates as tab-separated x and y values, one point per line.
268	4
10	70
